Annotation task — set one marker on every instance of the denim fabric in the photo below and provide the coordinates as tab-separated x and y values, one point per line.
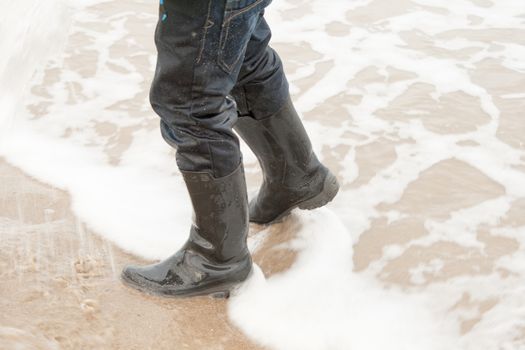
212	53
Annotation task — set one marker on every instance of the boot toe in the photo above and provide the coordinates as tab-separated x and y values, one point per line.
141	279
131	276
273	204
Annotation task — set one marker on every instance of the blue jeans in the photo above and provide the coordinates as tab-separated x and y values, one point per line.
214	65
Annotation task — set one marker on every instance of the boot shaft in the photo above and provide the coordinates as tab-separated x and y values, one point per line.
281	145
220	214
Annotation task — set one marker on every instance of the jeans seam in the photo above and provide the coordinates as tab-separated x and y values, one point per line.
224	37
241	11
221	51
225	32
194	74
230	67
207	25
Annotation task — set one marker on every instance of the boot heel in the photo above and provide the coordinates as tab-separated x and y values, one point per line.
330	189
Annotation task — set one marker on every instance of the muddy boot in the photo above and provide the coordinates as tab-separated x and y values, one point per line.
215	258
293	176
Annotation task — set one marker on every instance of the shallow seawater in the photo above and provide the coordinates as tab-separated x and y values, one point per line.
417	107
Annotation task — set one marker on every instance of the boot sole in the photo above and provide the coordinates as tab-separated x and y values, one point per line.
219	291
328	193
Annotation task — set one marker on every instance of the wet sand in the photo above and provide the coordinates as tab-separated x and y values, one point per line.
60	286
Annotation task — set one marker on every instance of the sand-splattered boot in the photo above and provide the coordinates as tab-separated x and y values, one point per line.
293	176
215	258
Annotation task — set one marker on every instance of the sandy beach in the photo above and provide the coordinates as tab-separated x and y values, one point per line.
61	289
417	108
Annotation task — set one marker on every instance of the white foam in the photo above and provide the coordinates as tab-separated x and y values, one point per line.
320	303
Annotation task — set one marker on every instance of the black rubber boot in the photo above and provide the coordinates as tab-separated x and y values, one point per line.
293	176
215	258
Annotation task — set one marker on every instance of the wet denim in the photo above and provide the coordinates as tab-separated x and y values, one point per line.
214	65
